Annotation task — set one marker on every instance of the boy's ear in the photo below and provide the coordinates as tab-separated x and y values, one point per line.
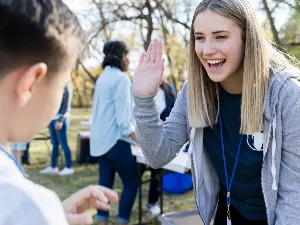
27	81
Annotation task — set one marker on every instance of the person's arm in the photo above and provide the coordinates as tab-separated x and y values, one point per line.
123	106
287	208
64	105
63	109
160	142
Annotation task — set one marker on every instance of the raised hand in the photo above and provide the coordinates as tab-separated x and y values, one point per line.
148	75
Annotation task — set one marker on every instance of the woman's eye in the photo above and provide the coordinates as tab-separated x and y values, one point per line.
221	37
199	38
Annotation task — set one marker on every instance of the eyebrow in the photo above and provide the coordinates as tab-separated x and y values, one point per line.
215	32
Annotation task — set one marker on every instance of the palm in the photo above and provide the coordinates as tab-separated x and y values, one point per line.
148	75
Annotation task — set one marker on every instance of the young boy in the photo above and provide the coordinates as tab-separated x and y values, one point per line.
39	43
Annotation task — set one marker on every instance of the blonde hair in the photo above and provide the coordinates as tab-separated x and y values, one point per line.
259	56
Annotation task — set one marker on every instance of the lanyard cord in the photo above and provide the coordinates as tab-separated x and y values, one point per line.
228	185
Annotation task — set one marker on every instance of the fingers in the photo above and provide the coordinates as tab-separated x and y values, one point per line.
142	58
153	51
111	195
148	53
95	192
94	196
159	51
102	205
93	203
161	68
79	219
103	194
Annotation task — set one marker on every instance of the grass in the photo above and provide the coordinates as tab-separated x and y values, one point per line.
88	174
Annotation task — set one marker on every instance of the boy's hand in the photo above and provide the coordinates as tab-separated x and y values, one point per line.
92	197
58	125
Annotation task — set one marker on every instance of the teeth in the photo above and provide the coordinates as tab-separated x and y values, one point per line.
214	61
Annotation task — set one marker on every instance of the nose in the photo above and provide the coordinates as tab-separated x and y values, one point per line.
208	48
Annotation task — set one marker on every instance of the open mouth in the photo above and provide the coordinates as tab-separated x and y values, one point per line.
216	63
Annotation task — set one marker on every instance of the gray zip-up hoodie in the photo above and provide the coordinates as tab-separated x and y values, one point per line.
280	173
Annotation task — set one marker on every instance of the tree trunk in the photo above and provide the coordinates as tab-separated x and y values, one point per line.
150	24
165	33
76	89
272	23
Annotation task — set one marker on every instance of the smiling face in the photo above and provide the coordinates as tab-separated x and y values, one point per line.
219	47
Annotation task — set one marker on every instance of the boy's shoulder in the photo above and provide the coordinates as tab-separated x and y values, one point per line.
24	201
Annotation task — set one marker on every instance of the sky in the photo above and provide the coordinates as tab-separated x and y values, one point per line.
80	7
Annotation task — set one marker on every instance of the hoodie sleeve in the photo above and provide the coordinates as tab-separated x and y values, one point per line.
287	210
160	142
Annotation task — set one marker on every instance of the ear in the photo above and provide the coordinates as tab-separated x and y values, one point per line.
27	81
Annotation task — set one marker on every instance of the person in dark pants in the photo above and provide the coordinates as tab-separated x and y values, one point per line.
112	129
119	159
164	100
26	155
58	129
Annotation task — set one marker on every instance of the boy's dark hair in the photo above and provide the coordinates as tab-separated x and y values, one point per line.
33	31
114	51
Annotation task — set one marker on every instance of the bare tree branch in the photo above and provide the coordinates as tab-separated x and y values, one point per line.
296	6
88	72
272	23
275	7
168	50
294	44
169	15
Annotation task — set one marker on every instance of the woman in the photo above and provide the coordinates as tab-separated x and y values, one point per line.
58	129
112	128
238	110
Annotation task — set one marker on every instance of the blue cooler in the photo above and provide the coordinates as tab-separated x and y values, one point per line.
177	183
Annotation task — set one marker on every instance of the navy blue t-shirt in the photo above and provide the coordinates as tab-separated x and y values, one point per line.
246	191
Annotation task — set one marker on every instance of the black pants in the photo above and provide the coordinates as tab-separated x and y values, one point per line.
236	217
154	186
26	156
119	159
